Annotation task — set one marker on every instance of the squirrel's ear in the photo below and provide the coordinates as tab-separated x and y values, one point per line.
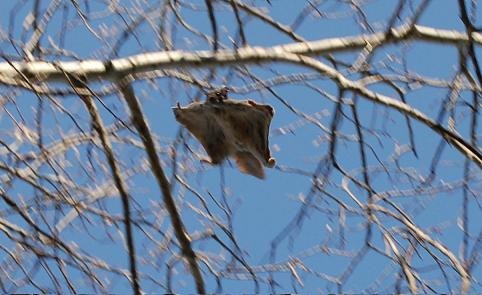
248	164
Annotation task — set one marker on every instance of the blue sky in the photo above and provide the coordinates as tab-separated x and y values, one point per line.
263	208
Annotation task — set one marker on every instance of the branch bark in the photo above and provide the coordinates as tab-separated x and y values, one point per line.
179	229
98	126
12	71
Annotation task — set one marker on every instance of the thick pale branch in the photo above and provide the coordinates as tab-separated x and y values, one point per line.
10	72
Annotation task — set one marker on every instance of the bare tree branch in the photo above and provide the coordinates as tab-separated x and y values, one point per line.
181	234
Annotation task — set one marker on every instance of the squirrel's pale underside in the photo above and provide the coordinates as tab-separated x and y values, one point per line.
231	128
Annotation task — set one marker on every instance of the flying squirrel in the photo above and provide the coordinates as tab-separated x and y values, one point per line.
230	128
